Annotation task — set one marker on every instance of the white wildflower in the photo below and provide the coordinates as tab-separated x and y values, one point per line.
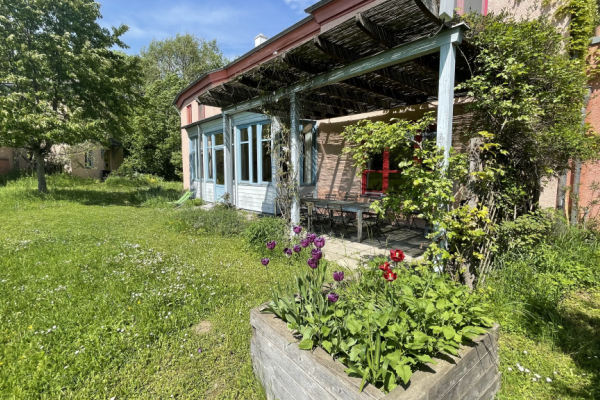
509	368
548	380
526	370
525	352
537	376
534	379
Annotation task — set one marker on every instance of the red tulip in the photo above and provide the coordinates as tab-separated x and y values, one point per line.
389	275
385	266
397	255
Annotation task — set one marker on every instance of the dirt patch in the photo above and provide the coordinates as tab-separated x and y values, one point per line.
202	328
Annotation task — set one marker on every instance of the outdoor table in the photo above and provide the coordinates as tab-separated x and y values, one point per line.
348	206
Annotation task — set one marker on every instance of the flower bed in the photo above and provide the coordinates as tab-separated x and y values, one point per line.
387	323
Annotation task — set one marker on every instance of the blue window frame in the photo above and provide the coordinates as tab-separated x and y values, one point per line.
254	143
195	158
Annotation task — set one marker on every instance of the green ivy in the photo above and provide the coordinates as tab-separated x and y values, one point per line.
584	18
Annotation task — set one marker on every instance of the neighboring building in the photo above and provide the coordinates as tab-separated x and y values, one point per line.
95	162
331	27
11	159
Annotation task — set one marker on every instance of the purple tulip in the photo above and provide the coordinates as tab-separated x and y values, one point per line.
304	243
271	245
265	261
338	276
297	229
333	297
297	248
287	251
312	263
316	254
320	242
311	237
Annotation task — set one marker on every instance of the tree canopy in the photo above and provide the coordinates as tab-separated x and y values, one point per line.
67	85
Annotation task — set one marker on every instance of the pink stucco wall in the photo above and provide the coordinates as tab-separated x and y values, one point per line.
530	9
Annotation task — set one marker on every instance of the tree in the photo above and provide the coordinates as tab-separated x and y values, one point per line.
186	56
68	86
169	65
156	139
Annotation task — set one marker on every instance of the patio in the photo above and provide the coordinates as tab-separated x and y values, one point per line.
347	251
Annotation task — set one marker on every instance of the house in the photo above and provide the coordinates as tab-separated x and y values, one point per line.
86	160
347	60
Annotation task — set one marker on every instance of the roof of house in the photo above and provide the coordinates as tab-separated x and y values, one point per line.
336	33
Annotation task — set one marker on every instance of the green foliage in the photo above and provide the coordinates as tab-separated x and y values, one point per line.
157	134
220	221
382	331
69	86
528	93
583	19
185	56
261	230
526	231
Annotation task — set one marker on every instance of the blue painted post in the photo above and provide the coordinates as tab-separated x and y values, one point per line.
295	151
445	107
227	159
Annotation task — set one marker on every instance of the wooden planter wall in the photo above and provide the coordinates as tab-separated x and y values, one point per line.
288	373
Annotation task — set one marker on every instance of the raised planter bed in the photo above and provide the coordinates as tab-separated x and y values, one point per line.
287	373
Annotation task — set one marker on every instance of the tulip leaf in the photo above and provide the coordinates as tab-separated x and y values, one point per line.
306	344
327	345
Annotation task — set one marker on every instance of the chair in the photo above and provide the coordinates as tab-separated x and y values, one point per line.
351	197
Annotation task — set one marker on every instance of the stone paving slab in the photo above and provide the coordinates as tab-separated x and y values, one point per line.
348	252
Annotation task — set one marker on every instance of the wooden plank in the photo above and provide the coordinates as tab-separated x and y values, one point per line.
455	390
480	387
324	370
227	139
490	392
377	32
369	64
295	152
301	381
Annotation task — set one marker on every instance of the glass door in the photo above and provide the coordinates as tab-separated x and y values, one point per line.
219	166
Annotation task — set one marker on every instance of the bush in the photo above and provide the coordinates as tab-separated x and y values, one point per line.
220	221
526	231
134	180
381	327
261	230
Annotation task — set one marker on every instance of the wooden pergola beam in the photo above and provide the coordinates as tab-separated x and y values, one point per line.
344	55
377	32
363	66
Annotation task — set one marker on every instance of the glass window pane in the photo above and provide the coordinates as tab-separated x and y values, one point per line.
308	158
233	162
394	180
219	158
209	140
374	181
210	164
244	134
375	163
254	155
266	161
245	161
396	157
218	139
266	132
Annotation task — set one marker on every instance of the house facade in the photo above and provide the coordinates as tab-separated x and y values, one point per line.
324	169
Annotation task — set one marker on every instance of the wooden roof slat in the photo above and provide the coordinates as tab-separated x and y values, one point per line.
377	32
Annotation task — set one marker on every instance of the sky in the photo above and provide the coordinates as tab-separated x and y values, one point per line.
234	23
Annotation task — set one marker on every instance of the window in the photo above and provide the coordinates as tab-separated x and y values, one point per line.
467	6
209	158
379	177
189	113
308	154
195	158
255	161
88	159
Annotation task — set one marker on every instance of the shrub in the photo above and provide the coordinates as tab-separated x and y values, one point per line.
220	221
381	327
261	230
526	231
134	180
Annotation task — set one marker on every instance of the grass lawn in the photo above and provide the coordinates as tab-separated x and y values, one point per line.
102	298
105	296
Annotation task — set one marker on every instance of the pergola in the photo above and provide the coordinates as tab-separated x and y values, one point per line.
384	54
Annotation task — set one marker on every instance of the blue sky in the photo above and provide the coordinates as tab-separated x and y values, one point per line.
234	23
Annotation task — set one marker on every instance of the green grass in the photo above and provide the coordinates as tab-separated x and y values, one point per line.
103	286
547	300
101	290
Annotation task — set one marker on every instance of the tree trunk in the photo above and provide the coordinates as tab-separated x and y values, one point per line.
40	172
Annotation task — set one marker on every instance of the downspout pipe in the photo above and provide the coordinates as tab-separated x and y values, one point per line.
577	167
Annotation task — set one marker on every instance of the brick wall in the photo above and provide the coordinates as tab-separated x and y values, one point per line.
336	173
531	9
